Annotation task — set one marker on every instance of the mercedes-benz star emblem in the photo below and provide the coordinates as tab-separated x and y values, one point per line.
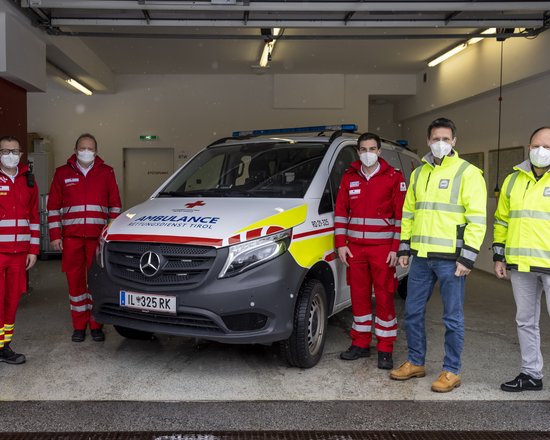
149	264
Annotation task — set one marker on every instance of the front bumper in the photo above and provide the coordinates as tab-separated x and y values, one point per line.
256	306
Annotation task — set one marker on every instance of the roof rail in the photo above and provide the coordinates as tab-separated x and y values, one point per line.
290	130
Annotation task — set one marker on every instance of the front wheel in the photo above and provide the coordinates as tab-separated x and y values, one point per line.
131	333
305	346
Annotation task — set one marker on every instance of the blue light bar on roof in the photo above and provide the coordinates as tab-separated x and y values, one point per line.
315	128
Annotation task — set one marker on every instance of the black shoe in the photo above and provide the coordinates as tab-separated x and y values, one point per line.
78	335
97	335
523	382
385	360
354	352
9	356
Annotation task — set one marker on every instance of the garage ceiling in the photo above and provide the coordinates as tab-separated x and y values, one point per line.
225	36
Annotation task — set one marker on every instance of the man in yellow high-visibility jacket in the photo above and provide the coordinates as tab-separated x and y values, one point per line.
522	247
443	225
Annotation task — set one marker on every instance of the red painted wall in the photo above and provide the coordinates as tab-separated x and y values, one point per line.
13	112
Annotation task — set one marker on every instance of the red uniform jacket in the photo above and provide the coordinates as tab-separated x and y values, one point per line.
78	205
19	218
369	211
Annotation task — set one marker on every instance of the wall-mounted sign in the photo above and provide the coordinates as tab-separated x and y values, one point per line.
148	137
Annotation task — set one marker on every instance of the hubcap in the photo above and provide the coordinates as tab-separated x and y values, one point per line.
316	325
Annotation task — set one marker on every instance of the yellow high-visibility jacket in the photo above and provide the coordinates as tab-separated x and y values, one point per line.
445	211
522	221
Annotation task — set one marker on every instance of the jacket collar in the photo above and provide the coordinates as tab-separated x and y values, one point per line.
525	167
447	160
72	161
384	166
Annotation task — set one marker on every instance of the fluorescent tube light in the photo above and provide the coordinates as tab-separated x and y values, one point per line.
265	58
74	83
478	39
448	54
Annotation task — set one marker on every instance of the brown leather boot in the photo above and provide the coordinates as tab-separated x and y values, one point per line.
446	382
408	371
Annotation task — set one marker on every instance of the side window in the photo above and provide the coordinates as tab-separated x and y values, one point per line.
346	156
392	157
408	164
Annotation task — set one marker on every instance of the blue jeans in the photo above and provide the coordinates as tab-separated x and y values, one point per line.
423	275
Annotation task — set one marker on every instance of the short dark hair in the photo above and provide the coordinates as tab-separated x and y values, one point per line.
442	123
536	131
85	136
367	137
9	139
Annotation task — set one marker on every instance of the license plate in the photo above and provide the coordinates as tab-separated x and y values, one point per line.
148	302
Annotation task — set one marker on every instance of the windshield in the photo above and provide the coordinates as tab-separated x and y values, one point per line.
271	169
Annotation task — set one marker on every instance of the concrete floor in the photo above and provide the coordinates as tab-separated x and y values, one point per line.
172	374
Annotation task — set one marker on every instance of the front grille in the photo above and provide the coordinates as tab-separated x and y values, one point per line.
181	265
190	321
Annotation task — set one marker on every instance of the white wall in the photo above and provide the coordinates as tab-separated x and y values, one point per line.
187	111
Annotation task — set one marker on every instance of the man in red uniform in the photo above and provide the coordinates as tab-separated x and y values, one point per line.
19	239
367	232
83	198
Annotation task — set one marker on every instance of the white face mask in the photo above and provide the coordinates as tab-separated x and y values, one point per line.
10	160
85	156
540	157
440	149
368	159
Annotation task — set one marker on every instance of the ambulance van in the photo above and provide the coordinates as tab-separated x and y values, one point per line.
238	245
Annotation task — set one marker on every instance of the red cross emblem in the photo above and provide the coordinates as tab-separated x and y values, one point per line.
192	205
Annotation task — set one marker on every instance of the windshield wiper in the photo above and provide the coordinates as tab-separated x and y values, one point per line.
172	194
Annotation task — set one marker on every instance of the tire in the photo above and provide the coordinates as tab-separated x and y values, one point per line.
305	346
131	333
402	287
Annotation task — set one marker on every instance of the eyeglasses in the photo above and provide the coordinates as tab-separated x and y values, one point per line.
5	152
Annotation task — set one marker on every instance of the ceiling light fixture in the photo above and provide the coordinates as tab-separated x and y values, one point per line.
460	48
74	83
270	36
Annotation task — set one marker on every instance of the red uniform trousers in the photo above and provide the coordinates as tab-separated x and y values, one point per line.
77	258
368	267
13	282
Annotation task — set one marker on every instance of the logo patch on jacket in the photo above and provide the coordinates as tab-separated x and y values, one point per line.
444	184
4	188
72	180
546	191
354	184
354	192
402	186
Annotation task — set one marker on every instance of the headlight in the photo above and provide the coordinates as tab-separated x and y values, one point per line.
100	246
244	256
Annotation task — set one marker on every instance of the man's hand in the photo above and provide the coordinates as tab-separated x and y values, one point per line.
500	269
461	270
343	253
31	259
404	261
392	259
57	245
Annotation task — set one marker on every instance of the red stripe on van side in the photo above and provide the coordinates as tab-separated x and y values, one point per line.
255	233
314	232
166	239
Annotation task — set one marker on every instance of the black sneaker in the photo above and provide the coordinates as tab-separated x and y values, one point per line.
97	335
78	335
9	356
523	382
385	360
354	352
